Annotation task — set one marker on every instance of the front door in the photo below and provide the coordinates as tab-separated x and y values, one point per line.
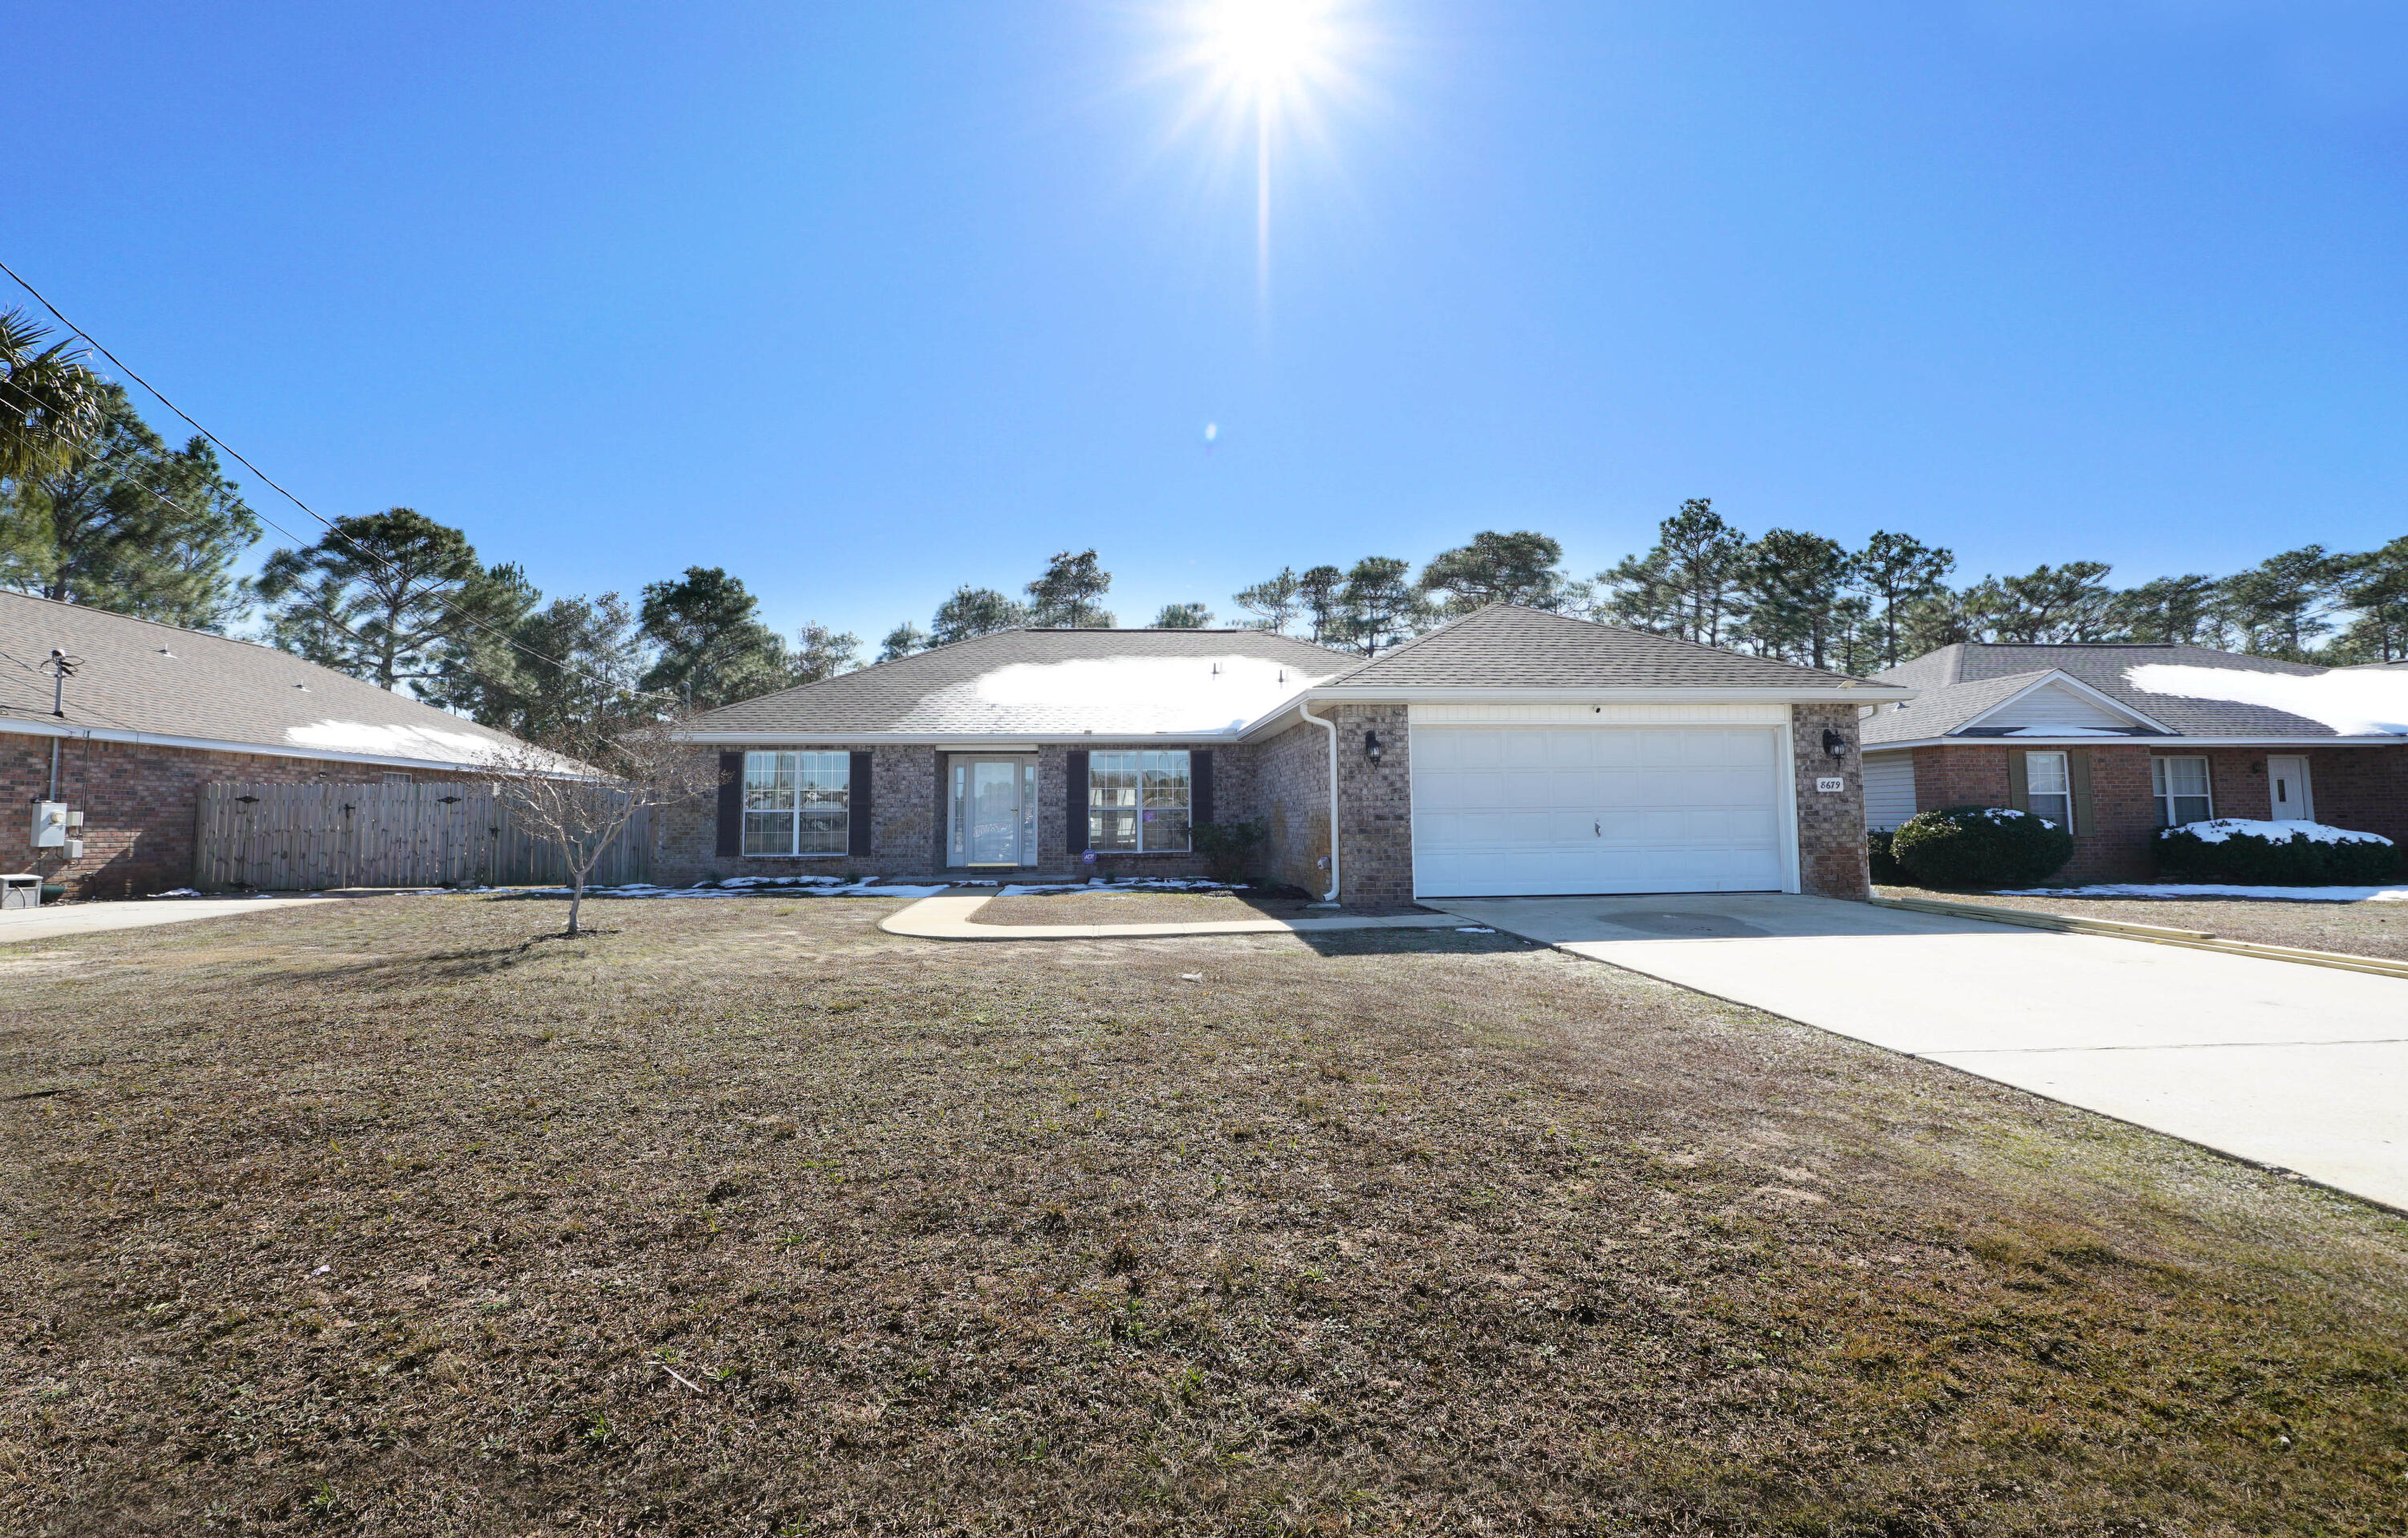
994	811
2286	786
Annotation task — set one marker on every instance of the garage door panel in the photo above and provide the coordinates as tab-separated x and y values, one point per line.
1538	810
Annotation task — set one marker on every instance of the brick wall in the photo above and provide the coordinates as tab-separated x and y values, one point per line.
1830	823
1292	794
2361	788
141	806
1375	805
910	806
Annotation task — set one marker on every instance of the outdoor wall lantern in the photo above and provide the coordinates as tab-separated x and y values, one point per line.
1371	746
1835	743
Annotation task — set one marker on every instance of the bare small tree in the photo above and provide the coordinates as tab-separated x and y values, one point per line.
578	787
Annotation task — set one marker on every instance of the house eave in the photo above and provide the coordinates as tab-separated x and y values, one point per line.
26	726
951	742
2169	740
1868	694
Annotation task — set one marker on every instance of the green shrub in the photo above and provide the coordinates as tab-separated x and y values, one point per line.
1980	846
1881	864
2252	854
1229	848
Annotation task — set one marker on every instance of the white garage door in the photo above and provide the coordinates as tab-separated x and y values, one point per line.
1516	811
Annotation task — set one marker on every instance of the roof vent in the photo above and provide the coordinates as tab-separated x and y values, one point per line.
303	688
164	653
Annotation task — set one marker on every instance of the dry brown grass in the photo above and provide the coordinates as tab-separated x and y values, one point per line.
2353	929
386	1217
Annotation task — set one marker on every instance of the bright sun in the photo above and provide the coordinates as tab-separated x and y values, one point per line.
1270	47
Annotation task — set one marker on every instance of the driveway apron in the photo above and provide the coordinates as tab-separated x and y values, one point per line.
2297	1067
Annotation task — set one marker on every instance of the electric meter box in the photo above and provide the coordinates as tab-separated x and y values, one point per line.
49	825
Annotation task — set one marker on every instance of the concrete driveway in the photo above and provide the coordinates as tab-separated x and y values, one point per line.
2304	1067
84	918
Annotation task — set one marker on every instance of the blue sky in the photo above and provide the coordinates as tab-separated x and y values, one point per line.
864	301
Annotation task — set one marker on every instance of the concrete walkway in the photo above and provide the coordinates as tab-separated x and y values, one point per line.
84	918
948	917
2303	1068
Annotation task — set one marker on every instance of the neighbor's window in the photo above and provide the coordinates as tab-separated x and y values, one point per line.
1137	802
796	803
2047	791
2181	786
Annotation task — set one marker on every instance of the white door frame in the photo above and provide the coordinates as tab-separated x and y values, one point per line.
1024	806
2306	810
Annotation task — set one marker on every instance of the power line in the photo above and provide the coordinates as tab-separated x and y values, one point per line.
362	550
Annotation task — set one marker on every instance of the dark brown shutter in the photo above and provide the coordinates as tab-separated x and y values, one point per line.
1199	785
2018	780
2077	779
1074	801
858	809
731	803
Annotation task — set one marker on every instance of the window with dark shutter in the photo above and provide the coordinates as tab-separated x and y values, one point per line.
1074	814
857	843
731	804
1200	784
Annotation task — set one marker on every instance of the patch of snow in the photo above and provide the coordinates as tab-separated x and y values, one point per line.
2353	701
1474	929
2222	828
179	892
776	881
2270	894
1133	695
426	742
761	887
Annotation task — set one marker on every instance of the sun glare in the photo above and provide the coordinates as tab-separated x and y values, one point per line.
1270	47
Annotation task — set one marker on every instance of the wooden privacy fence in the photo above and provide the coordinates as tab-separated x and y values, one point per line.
309	837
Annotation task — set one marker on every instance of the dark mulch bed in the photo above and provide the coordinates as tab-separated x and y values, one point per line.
2354	929
389	1217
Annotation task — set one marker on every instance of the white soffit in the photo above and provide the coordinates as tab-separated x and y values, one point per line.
2062	705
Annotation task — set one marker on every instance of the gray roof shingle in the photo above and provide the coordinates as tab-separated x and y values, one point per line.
1507	646
159	680
1048	682
1960	682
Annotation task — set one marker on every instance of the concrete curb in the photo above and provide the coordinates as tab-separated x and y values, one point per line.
948	917
2195	940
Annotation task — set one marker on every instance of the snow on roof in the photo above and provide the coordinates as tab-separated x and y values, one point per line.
394	742
1145	694
2352	701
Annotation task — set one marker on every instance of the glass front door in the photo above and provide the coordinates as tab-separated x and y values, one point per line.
994	819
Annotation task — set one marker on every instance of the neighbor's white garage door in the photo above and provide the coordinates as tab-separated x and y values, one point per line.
1516	811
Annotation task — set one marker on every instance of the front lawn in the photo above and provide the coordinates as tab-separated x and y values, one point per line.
383	1217
2354	929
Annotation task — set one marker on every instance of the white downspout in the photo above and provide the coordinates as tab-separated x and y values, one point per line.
1328	898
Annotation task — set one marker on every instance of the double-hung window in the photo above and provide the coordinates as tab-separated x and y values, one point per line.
1137	802
2048	788
2182	790
797	803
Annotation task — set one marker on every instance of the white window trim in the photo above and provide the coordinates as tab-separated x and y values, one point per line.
796	834
2161	793
1138	754
2064	796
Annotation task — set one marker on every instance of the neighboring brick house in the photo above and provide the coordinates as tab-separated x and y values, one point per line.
1510	752
2119	741
153	712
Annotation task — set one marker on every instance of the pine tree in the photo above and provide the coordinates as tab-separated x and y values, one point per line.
1525	568
974	612
394	597
1064	598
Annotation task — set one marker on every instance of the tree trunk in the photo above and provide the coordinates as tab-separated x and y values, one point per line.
576	897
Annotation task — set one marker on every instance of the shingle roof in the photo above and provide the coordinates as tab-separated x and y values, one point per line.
1506	646
1960	682
160	681
1049	683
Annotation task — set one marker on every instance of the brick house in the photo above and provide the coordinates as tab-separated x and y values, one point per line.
150	712
2119	741
1513	751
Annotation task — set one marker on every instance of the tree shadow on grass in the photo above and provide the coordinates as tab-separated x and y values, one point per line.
460	966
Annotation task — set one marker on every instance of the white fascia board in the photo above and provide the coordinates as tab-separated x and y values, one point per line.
953	741
1869	694
2055	676
2170	740
210	744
